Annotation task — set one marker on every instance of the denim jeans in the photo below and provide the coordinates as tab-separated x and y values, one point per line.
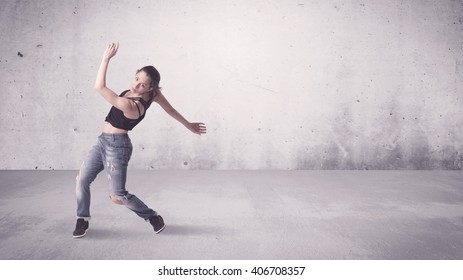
111	153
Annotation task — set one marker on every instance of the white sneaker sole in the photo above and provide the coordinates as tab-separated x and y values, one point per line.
80	236
160	229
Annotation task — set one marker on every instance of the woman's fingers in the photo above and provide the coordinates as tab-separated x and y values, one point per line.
199	128
112	48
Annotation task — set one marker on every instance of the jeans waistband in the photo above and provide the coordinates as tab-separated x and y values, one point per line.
113	136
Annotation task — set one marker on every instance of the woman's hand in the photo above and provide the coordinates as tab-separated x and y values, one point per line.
198	128
111	50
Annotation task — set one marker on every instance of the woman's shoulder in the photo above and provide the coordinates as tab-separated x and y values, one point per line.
158	97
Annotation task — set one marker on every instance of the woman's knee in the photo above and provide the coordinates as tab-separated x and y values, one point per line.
116	200
79	182
83	178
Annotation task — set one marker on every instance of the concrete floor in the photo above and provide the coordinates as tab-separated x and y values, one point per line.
235	215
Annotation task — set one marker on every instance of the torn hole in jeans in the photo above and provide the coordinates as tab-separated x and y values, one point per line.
111	166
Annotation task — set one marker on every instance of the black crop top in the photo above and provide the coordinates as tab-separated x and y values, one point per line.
117	119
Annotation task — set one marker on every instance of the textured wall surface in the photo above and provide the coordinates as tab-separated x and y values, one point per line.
280	84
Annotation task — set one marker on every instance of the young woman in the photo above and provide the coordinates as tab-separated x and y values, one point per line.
114	148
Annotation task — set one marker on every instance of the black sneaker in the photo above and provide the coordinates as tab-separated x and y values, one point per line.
158	223
81	228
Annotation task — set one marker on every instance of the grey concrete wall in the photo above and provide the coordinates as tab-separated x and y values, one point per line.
280	84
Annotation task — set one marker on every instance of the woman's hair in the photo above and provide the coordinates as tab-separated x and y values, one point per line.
155	77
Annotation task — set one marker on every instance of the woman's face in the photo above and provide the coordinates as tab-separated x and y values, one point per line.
141	83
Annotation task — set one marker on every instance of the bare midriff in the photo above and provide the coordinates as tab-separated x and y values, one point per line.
108	128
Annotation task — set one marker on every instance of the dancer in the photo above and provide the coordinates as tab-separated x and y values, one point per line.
114	148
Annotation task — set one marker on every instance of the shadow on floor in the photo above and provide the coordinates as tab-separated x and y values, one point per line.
193	230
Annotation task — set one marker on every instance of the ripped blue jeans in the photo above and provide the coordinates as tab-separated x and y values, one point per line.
112	153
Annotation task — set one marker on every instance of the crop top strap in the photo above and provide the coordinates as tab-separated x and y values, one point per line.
134	100
144	103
